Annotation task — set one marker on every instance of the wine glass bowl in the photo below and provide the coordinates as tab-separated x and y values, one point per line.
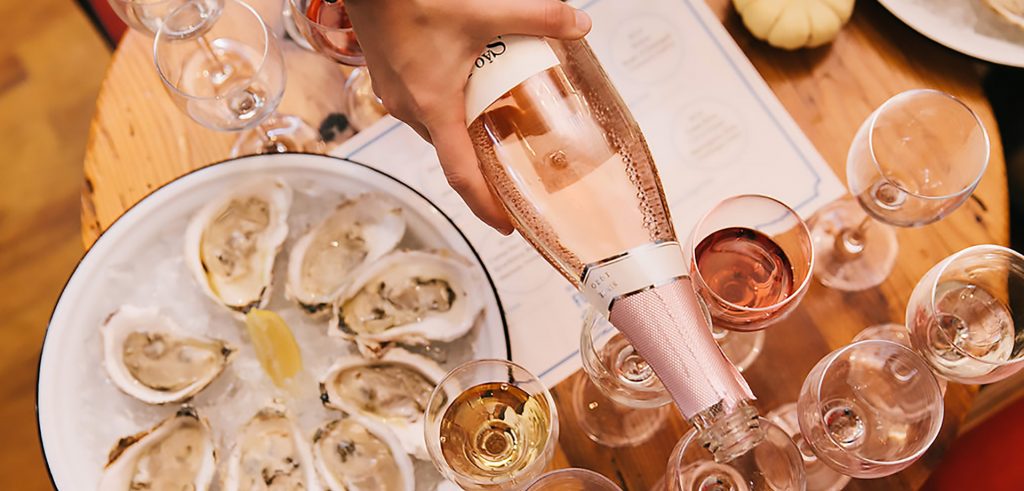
146	16
774	463
327	28
230	79
573	480
917	158
870	409
961	315
751	259
490	424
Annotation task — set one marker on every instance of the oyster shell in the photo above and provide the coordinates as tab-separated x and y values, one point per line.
271	453
177	453
412	297
147	356
393	390
354	453
231	243
358	232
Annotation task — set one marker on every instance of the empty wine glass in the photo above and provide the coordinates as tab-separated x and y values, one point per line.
866	410
327	28
914	161
146	16
961	315
618	400
231	78
490	424
773	464
573	480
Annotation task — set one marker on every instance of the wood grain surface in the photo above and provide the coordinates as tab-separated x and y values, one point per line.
51	65
140	140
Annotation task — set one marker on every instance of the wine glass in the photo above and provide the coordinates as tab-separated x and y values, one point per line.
490	424
866	410
961	315
146	16
773	464
618	400
328	30
231	78
914	161
751	259
573	480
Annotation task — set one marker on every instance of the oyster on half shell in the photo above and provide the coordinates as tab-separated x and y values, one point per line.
393	390
412	297
358	232
231	243
354	453
177	453
148	357
270	452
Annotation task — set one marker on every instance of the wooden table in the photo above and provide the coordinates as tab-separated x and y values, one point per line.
140	140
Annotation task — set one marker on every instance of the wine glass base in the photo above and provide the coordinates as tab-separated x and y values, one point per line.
741	348
280	133
835	266
898	334
609	423
364	107
820	477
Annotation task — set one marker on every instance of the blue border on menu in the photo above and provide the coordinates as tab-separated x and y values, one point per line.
746	83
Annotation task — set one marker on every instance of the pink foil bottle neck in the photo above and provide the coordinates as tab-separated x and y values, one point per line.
667	327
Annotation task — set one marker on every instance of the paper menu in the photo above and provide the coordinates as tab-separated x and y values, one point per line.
715	130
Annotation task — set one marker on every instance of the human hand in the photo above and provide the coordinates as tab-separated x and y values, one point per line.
420	54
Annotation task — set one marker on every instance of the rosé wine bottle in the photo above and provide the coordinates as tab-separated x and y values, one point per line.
565	156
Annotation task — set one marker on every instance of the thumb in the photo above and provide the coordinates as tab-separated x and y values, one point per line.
545	18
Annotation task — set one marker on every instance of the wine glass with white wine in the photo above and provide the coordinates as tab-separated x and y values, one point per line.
491	425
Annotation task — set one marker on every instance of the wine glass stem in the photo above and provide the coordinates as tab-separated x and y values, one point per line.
271	144
850	241
211	54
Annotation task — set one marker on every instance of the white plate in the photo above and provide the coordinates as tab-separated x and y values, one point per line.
967	26
80	414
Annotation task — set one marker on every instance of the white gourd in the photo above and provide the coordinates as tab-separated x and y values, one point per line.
792	24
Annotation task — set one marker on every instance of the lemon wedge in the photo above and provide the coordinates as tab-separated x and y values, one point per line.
275	346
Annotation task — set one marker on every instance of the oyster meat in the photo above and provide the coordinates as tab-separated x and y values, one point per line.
270	453
411	297
322	261
148	357
393	390
357	454
176	454
231	243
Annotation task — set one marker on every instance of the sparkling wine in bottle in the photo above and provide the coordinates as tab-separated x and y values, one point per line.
568	161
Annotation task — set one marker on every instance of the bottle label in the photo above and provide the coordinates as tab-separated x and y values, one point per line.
638	269
505	63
